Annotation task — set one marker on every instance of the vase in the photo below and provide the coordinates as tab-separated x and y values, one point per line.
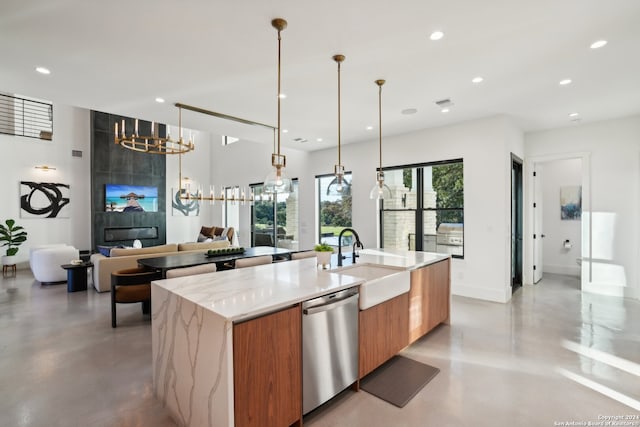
324	258
8	260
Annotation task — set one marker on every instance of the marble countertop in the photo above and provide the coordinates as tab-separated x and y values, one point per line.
241	294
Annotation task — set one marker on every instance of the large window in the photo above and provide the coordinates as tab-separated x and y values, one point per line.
274	218
426	210
334	209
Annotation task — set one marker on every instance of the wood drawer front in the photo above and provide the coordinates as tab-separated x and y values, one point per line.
383	332
267	366
429	299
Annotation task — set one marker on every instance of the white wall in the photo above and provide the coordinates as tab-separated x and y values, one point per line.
243	163
485	146
612	222
71	131
196	166
556	258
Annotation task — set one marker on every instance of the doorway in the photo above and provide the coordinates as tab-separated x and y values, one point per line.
556	224
516	222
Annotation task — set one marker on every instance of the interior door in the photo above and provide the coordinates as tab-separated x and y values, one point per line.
516	222
537	222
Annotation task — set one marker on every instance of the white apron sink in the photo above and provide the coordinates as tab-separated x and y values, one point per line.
381	283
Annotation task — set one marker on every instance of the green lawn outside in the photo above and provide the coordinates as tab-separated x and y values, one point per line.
333	229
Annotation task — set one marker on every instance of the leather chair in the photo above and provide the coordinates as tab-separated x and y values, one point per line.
130	286
190	271
303	254
256	260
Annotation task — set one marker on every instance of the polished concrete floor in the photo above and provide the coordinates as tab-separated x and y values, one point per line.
552	355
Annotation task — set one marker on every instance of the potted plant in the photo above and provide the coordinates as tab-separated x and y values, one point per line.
323	254
12	236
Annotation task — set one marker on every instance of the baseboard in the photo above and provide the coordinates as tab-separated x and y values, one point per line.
487	294
611	290
567	270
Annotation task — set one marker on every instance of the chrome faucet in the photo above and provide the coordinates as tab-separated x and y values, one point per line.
356	244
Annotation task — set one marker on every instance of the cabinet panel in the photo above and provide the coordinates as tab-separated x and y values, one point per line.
429	298
383	332
267	369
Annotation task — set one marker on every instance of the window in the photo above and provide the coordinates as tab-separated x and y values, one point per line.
21	116
274	218
334	209
426	210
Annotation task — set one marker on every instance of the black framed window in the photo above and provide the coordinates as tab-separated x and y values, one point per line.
274	218
334	209
426	210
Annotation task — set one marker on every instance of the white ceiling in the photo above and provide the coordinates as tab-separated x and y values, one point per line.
118	56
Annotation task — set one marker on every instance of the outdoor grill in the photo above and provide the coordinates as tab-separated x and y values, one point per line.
449	238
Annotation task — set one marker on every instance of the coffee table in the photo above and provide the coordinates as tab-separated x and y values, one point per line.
77	276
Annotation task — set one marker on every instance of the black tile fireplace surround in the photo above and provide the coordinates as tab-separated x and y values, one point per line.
118	234
112	164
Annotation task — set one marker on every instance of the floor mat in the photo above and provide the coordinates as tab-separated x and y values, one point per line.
398	380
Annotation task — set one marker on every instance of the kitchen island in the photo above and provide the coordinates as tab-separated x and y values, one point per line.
226	345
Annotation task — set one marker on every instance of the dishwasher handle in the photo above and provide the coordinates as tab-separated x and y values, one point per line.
329	306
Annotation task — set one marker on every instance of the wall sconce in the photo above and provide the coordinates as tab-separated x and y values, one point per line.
45	168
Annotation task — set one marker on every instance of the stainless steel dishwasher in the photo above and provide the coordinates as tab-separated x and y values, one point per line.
329	346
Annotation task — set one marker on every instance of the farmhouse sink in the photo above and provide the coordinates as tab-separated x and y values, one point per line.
381	283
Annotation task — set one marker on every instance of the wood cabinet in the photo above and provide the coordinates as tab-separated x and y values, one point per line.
387	328
384	331
267	370
429	298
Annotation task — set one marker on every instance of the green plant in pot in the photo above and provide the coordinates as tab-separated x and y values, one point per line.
323	254
12	236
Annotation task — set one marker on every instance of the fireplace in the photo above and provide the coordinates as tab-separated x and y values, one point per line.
116	234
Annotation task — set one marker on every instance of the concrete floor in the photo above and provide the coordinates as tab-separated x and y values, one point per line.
532	362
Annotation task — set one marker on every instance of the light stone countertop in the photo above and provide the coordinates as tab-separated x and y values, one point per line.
241	294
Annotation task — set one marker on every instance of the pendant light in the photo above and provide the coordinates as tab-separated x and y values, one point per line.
381	190
276	181
338	186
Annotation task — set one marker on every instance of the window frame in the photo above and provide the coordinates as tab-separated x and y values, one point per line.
420	209
347	174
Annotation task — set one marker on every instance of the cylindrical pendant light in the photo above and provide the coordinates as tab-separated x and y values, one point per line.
380	190
276	181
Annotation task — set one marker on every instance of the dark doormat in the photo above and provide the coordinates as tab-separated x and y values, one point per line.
398	380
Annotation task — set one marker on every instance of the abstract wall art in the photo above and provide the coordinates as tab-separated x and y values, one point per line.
571	202
44	200
182	207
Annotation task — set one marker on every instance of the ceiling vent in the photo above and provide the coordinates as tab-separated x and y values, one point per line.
444	103
300	140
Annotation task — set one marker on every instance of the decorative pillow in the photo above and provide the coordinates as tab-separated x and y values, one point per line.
225	231
203	238
207	231
105	250
219	238
218	231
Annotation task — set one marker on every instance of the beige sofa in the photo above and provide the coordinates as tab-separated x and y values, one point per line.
121	258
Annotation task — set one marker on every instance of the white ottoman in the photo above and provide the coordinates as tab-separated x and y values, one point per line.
46	261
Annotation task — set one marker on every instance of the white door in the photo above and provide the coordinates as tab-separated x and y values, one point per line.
537	222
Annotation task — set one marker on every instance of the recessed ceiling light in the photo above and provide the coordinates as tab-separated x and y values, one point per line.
565	82
444	110
477	79
285	131
408	111
598	44
573	114
282	95
436	35
369	127
160	100
43	70
319	139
